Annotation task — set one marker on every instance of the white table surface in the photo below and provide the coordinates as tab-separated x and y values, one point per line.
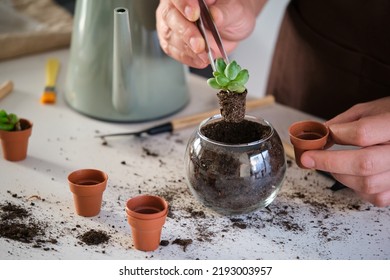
306	221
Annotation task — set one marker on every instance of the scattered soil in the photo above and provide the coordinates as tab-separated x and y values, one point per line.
16	224
182	242
20	232
217	173
196	214
94	237
238	223
232	105
12	211
149	152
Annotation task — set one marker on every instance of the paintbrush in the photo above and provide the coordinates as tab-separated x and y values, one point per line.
51	71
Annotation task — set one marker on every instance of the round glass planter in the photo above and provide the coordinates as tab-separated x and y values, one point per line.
235	179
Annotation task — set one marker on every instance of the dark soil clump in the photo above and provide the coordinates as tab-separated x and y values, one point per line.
232	105
12	211
16	224
182	242
20	232
235	133
149	152
94	237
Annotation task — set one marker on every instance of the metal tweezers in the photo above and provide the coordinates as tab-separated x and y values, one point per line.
205	17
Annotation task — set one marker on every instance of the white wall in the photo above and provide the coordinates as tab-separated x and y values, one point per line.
255	53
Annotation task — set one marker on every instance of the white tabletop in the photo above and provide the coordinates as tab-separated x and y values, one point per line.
306	221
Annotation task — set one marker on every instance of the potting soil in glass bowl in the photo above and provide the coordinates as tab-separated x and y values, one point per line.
235	168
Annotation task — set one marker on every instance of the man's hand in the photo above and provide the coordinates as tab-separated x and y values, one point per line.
366	169
179	35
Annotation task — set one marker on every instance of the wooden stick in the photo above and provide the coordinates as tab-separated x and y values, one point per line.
6	88
196	119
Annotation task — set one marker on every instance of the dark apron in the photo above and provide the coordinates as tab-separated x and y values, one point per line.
331	55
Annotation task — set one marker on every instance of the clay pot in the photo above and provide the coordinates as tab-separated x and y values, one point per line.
146	216
87	186
15	143
307	135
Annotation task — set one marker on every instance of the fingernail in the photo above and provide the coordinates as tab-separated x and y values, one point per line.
307	162
195	45
189	12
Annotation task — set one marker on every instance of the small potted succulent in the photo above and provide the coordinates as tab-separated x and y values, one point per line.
234	163
14	135
230	80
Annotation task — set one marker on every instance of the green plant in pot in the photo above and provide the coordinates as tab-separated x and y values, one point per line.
234	163
14	135
230	80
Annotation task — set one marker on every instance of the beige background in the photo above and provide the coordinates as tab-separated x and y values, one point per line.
32	26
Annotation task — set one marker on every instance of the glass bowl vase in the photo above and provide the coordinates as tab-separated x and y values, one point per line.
234	176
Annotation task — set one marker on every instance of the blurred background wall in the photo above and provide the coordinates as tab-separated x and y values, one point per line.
255	53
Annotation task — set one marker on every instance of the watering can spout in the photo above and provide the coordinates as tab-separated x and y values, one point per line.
122	60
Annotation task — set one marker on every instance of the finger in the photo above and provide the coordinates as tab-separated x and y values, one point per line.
196	61
368	185
171	22
180	38
178	50
352	114
236	20
360	162
364	132
229	46
376	107
189	8
232	21
379	199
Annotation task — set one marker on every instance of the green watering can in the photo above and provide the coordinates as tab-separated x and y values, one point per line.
117	70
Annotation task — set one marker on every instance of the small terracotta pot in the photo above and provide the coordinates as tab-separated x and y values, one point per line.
146	216
15	143
87	186
307	135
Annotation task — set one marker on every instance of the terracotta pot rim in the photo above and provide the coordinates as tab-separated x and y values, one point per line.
95	189
313	126
24	130
153	201
146	217
99	173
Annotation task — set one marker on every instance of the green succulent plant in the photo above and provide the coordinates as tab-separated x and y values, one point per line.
229	77
9	122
